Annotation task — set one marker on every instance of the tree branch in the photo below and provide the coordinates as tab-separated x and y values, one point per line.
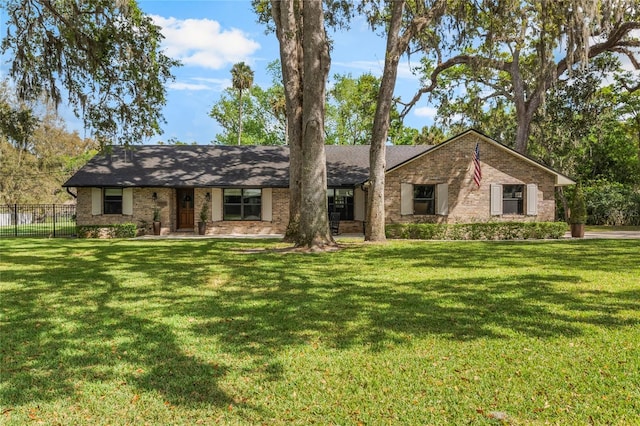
471	60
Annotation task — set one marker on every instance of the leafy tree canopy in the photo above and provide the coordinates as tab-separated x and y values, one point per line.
515	51
103	56
35	161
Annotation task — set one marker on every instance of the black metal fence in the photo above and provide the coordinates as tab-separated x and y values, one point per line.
37	220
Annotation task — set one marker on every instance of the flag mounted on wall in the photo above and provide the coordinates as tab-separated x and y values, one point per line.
477	172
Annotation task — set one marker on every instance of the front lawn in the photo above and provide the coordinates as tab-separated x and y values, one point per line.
239	332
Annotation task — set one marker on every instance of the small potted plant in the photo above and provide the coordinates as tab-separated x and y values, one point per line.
204	215
156	221
578	213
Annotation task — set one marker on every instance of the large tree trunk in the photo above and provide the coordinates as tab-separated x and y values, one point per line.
287	16
314	224
374	229
525	108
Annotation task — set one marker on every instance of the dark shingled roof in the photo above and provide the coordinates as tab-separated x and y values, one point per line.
225	166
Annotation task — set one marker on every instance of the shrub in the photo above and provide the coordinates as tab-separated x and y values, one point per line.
611	203
123	230
477	231
204	212
578	209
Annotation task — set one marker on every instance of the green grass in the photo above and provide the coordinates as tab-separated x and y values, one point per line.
238	332
41	229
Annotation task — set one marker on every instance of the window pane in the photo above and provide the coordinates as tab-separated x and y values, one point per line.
112	201
242	204
340	200
512	207
512	199
424	199
252	211
424	207
512	191
423	191
252	196
232	212
233	196
113	192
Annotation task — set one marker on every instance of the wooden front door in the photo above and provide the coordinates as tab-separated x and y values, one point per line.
185	208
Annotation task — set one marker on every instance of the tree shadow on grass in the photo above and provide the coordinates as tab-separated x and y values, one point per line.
64	326
266	304
65	319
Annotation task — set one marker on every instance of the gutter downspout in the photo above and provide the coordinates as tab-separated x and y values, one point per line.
71	193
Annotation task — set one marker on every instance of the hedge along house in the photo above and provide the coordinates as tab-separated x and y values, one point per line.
247	187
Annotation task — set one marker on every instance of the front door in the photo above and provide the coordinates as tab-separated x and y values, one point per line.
185	208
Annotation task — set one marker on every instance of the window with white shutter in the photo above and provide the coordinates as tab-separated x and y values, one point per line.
496	199
216	204
532	199
96	201
127	201
406	198
267	205
442	199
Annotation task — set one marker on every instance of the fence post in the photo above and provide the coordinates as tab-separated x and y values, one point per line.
15	220
54	220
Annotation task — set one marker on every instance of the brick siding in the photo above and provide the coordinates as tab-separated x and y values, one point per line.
452	163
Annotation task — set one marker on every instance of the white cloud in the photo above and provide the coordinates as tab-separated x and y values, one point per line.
201	84
404	70
428	112
203	43
178	85
218	84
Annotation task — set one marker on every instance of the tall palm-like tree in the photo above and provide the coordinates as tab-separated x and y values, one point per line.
241	79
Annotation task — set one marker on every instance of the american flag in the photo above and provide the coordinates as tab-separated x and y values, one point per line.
477	172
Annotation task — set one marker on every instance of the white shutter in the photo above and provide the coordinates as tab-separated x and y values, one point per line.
96	201
532	199
496	199
127	201
216	204
358	204
442	199
406	198
267	205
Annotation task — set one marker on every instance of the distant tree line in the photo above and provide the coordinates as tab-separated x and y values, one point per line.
37	153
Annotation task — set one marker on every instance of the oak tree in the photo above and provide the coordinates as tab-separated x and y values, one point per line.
102	56
517	50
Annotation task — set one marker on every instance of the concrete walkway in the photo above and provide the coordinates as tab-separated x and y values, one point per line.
624	235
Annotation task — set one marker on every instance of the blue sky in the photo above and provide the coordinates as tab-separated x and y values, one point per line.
209	36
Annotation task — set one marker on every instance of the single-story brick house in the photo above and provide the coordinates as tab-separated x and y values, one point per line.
246	187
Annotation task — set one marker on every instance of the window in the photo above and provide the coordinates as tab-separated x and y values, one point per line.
112	200
340	200
512	199
242	204
424	199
